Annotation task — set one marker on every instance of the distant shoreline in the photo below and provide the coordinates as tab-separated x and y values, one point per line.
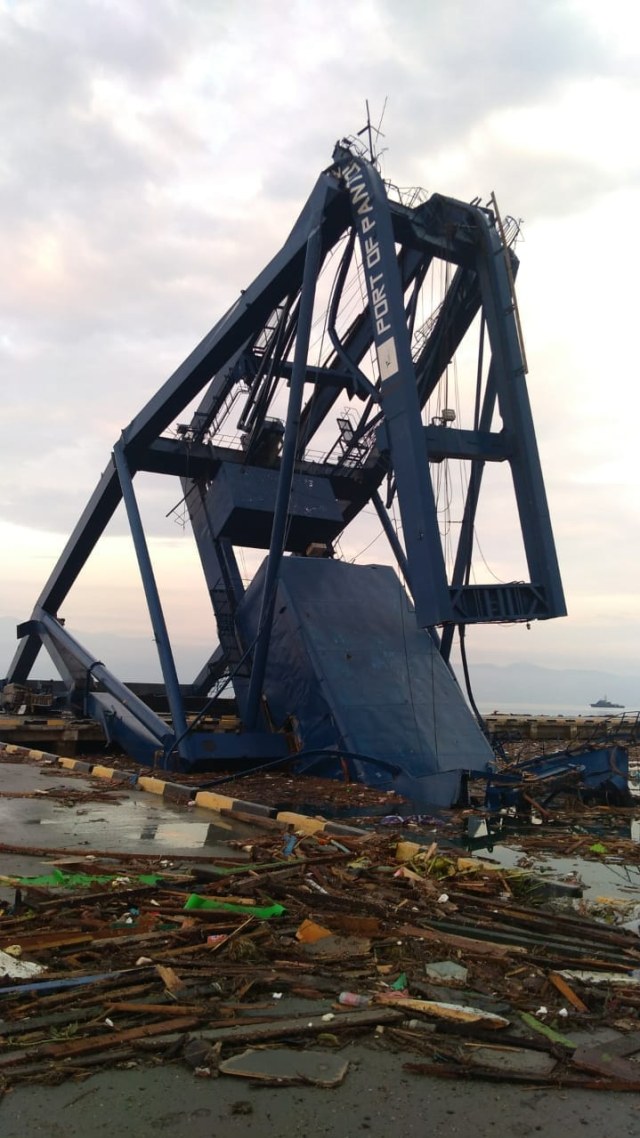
560	710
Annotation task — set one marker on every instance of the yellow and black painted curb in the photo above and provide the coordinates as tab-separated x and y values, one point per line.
174	792
27	752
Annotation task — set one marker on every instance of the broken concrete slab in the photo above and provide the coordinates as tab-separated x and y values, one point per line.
447	972
285	1066
511	1059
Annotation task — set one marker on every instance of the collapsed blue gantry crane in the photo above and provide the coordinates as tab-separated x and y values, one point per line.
332	662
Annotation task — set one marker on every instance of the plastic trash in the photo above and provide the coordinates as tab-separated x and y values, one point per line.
12	966
58	878
353	1000
263	912
289	845
309	932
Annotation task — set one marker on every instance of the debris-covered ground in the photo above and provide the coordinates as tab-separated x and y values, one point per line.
266	958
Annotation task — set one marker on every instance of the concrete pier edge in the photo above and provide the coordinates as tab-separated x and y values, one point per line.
175	792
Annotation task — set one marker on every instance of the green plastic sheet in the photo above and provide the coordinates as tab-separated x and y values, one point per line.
59	879
264	912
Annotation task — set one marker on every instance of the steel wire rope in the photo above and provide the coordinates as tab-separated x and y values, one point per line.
298	756
348	305
358	278
469	568
229	676
289	515
467	677
367	546
443	487
354	285
432	306
271	395
287	530
499	580
358	433
352	292
464	476
319	342
457	407
321	319
372	362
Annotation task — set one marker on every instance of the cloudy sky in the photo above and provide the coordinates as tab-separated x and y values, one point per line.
154	155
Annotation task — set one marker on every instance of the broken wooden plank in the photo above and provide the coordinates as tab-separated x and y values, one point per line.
486	1074
610	1059
567	991
138	1007
47	940
170	979
465	943
11	1028
115	1038
297	1026
460	1013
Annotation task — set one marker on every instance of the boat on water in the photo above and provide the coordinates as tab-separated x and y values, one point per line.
604	702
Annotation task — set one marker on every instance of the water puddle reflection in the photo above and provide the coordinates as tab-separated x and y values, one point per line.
132	825
604	876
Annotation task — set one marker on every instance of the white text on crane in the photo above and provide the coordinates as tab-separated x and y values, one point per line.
361	200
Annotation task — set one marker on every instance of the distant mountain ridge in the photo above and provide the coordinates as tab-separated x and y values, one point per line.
493	683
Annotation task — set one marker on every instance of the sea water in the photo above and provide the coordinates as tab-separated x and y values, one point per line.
567	710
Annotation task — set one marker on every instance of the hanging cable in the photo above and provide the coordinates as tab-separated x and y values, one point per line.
467	679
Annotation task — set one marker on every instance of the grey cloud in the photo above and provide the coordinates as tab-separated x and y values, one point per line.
467	59
126	36
534	186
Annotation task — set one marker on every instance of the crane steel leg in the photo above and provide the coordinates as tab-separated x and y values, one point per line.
154	605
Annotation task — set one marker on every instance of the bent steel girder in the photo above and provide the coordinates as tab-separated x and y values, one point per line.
265	489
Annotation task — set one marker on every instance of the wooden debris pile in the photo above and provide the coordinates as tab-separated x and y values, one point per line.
309	941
